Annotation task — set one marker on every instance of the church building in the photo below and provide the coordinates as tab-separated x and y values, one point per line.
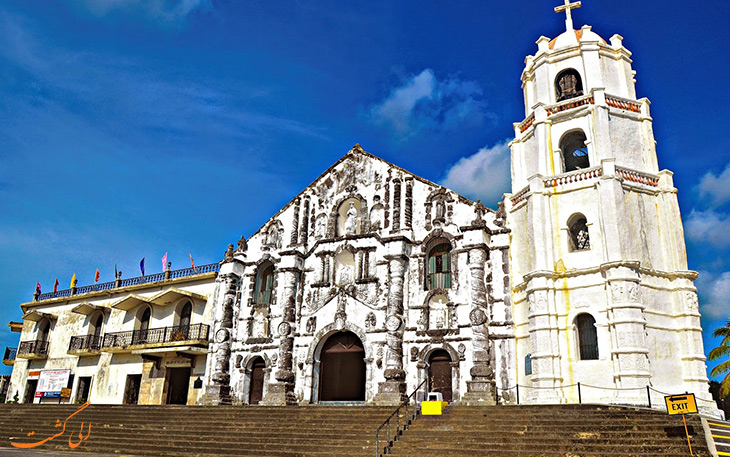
373	282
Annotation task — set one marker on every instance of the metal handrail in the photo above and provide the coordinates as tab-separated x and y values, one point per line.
398	429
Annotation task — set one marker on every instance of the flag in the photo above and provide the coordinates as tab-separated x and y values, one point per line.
73	279
164	262
191	262
96	276
141	266
55	286
38	288
116	275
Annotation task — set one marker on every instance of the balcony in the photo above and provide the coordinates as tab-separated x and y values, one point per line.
181	335
85	345
9	357
33	350
136	281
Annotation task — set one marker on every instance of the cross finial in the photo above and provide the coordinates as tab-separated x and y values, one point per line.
567	7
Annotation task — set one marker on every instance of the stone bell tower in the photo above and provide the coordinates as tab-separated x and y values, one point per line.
601	290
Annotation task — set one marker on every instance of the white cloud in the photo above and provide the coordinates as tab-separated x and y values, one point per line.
424	102
716	188
714	292
165	11
484	175
709	227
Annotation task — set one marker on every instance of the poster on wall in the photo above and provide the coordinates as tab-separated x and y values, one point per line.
51	382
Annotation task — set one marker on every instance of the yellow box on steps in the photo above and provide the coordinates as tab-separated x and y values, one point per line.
433	408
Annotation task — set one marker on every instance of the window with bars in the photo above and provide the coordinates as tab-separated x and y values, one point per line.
587	337
579	237
439	267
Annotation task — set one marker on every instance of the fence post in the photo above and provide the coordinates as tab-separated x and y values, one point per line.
580	400
648	395
518	394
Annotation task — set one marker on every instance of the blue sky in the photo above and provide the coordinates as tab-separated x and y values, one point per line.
131	128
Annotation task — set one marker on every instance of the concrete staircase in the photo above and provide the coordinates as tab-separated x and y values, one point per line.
550	431
349	431
199	431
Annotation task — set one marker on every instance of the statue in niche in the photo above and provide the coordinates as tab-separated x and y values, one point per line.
351	220
346	274
319	227
260	326
272	237
437	314
440	209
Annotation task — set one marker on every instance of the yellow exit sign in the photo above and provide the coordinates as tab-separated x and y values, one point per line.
681	404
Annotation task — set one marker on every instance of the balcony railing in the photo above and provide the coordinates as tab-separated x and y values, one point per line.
9	356
172	274
33	348
195	332
439	281
85	343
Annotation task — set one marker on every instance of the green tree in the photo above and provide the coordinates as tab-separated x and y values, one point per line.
722	352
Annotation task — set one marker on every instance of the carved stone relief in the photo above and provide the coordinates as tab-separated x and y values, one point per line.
691	300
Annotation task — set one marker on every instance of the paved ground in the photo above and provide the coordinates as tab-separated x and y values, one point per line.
12	452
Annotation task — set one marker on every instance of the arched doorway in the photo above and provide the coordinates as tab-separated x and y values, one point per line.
439	373
342	368
256	385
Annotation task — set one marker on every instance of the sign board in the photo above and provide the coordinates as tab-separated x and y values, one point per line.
53	380
681	404
34	373
65	393
51	394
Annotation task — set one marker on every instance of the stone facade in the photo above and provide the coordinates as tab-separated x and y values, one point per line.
350	253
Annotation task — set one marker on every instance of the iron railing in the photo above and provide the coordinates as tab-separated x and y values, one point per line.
85	343
173	274
408	418
33	347
439	280
195	332
10	353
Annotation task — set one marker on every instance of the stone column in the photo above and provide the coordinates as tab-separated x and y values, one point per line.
545	349
480	390
627	325
393	390
281	392
218	387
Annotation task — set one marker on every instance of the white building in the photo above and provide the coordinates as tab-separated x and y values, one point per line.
373	280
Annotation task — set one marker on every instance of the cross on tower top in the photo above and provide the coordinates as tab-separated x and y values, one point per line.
567	7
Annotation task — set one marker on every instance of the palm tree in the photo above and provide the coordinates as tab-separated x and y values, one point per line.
722	352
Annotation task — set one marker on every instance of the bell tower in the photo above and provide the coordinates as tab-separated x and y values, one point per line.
601	291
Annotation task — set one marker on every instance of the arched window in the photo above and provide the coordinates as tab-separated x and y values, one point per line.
587	337
528	364
578	229
44	329
97	320
439	267
574	150
185	313
264	284
568	85
140	335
